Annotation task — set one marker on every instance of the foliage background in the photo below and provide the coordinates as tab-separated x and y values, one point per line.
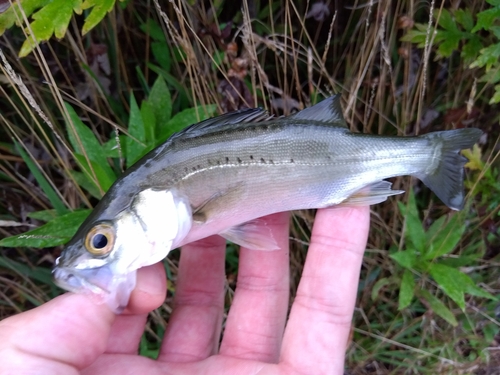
110	81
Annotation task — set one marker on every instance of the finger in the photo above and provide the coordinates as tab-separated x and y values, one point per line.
254	327
69	332
194	327
148	295
320	319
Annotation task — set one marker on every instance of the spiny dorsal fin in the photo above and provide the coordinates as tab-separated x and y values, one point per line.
220	122
328	110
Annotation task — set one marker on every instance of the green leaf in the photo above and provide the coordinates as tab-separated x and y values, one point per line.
185	118
406	289
136	142
487	57
445	20
87	184
161	52
378	286
486	18
53	18
450	280
496	97
161	103
54	233
82	139
49	191
44	215
13	14
149	120
111	147
99	11
84	142
439	308
414	230
446	239
103	173
471	49
406	258
464	18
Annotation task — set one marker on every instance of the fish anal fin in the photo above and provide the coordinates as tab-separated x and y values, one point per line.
371	194
255	235
328	111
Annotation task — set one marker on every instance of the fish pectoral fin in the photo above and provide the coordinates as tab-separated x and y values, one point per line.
203	212
371	194
328	111
255	235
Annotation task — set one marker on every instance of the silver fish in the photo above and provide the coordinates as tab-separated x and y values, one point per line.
220	175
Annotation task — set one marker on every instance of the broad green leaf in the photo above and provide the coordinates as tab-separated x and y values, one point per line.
378	286
414	230
185	118
406	289
445	20
486	18
439	308
87	184
464	18
136	143
149	120
161	52
13	14
471	49
435	228
112	149
49	191
84	141
406	258
53	18
161	103
104	174
55	232
496	97
487	57
45	215
99	10
451	281
471	288
446	239
154	30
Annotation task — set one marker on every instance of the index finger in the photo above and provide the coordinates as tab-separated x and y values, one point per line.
320	319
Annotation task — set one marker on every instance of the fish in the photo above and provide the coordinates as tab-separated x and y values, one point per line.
221	175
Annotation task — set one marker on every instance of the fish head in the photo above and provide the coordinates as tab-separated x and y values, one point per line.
103	257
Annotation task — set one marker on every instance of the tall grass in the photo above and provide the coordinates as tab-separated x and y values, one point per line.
268	54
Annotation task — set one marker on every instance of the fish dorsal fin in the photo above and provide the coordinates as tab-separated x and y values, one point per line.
328	111
220	122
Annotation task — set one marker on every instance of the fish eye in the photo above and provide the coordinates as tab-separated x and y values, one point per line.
100	239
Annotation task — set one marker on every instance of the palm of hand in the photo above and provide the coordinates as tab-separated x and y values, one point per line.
71	334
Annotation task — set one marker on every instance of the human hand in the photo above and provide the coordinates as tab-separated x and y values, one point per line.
71	334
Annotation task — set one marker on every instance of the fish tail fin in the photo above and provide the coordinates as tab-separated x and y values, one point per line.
446	181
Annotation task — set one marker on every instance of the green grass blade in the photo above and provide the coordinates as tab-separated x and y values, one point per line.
51	194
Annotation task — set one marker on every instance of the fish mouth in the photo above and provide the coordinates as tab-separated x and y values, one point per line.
99	283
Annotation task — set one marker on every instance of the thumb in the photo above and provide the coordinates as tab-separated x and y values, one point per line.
59	337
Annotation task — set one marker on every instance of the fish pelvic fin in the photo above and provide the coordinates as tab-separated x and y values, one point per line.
255	235
372	194
328	111
446	180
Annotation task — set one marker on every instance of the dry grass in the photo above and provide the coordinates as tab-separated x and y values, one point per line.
276	58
